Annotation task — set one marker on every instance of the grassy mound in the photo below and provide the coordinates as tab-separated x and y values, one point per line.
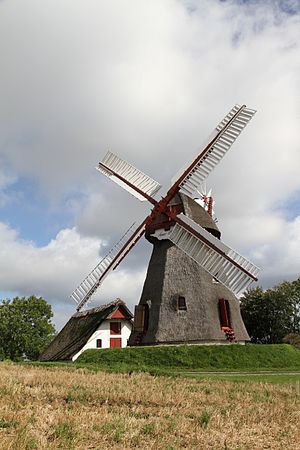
193	357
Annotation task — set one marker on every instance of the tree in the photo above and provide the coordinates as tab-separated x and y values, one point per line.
25	327
272	314
293	339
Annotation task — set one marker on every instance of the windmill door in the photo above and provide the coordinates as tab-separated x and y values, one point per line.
115	342
141	318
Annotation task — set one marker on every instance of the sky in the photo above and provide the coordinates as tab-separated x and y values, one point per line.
148	81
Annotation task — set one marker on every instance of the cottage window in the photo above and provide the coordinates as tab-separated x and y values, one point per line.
99	343
115	327
181	304
224	313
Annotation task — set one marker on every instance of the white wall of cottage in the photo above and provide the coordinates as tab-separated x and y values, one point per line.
103	333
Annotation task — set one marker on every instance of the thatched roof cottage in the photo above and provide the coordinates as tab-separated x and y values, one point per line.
106	326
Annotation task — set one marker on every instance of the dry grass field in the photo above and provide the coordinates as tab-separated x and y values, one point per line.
61	408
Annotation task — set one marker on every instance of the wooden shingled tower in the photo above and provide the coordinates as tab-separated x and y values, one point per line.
181	302
193	278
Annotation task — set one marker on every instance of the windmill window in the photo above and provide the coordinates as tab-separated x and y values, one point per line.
115	327
181	304
99	343
224	313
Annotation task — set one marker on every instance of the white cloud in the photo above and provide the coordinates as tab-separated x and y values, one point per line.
52	269
280	257
55	270
149	80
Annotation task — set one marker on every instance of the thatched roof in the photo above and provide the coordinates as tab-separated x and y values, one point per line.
198	214
171	273
79	329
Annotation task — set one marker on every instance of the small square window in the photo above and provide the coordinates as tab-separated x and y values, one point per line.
99	343
181	303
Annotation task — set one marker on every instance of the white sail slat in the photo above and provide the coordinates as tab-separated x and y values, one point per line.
81	295
138	183
221	141
222	262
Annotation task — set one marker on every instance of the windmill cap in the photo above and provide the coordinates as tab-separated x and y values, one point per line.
198	214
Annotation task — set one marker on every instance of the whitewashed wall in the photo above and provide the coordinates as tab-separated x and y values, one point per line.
103	333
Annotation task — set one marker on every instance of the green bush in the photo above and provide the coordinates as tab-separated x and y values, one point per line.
293	339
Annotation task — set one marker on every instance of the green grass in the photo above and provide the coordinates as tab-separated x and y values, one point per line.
182	358
248	378
252	362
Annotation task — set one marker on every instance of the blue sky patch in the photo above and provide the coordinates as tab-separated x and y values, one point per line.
29	213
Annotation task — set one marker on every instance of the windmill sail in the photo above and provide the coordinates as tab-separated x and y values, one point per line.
220	142
128	176
223	263
94	279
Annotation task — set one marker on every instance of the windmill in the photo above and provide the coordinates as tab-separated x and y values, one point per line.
193	278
